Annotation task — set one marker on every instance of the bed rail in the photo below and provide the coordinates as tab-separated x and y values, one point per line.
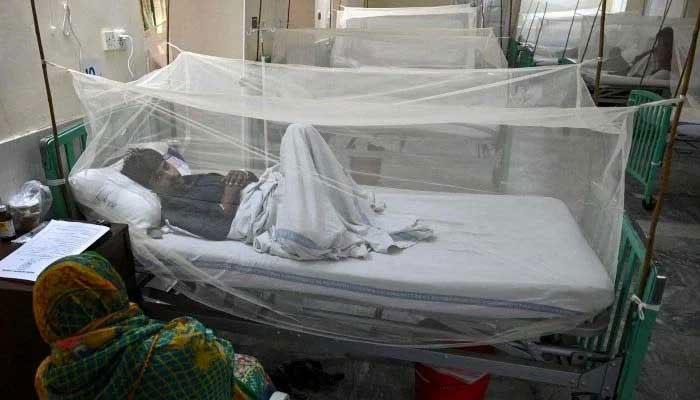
650	132
629	331
72	142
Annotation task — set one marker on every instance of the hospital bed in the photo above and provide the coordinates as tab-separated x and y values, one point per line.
602	356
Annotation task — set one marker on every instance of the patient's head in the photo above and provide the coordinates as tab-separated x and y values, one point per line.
148	168
615	52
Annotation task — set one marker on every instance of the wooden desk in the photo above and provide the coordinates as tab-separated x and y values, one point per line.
21	347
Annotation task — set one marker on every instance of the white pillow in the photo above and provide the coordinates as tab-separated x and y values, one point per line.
116	198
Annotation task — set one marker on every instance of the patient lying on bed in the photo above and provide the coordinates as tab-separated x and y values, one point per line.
656	62
203	204
306	207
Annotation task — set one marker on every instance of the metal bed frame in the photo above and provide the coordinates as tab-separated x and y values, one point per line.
618	96
602	358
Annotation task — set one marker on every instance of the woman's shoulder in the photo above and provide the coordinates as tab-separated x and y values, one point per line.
187	332
188	342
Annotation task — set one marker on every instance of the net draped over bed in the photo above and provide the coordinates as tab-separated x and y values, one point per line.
460	16
518	175
349	48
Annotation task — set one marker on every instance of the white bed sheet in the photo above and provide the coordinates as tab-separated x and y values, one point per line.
495	256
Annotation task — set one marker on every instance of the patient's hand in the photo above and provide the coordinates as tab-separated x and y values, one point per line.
234	182
235	178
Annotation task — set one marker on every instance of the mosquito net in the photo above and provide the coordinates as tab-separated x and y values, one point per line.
446	48
635	46
459	16
417	207
553	29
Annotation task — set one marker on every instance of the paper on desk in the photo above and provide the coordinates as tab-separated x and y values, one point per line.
58	239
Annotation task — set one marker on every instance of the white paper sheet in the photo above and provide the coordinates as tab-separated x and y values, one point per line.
58	239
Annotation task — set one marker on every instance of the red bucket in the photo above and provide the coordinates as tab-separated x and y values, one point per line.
449	384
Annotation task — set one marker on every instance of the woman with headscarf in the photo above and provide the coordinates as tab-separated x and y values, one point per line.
104	347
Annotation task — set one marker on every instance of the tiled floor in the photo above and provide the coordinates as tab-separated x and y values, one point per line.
672	366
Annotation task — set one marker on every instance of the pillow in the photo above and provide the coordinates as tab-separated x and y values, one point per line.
116	198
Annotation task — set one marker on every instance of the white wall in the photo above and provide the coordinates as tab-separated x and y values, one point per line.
213	27
23	106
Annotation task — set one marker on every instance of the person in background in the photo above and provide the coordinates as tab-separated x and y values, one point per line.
104	347
203	204
658	58
615	64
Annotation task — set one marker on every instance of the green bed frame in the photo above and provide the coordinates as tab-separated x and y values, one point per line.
519	56
72	142
620	350
650	132
629	332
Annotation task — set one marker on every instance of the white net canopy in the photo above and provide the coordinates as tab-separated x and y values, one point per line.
682	38
460	16
414	207
635	47
347	48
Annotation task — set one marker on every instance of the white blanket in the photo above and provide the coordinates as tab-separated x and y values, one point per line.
308	208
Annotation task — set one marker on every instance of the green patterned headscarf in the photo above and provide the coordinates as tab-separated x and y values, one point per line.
103	347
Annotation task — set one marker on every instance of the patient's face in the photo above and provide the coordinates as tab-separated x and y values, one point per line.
165	178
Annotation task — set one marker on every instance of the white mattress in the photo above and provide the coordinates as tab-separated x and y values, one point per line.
494	256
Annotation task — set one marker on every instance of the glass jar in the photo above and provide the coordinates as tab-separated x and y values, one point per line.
7	226
26	217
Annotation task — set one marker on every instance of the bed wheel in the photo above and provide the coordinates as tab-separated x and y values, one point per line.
649	205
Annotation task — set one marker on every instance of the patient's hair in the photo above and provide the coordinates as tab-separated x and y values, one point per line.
664	47
140	165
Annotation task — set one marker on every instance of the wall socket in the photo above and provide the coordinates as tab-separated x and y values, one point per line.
112	39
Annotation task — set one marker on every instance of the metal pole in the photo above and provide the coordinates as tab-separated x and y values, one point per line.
167	33
289	6
500	25
52	115
568	35
601	52
483	17
257	48
330	14
590	33
527	38
511	31
265	135
510	19
544	14
668	158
